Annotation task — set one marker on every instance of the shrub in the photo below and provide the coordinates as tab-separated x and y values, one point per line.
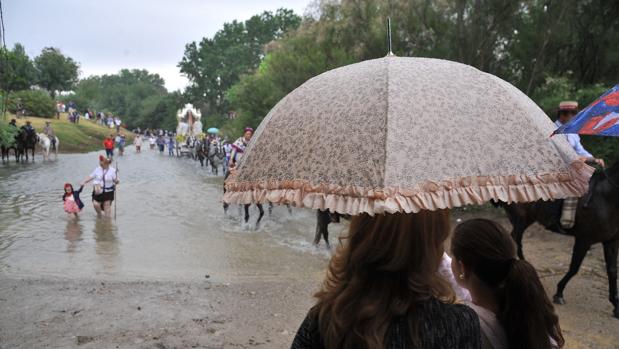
7	134
34	102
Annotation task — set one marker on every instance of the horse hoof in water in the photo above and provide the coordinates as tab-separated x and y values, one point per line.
556	299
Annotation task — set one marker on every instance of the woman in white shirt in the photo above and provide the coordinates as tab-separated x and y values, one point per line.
506	293
104	179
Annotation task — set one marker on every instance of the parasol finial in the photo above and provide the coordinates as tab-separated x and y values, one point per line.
390	53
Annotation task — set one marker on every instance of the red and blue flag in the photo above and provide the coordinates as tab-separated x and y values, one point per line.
599	118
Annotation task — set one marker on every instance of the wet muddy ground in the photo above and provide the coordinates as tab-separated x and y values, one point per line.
173	272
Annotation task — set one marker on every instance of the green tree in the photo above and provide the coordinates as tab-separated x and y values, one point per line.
17	71
56	72
160	111
122	94
33	102
215	64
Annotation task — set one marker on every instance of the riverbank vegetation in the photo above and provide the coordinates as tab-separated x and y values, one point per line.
551	50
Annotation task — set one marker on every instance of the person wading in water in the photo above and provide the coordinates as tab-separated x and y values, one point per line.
104	179
238	148
108	144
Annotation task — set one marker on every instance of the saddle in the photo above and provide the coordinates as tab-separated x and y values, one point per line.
569	206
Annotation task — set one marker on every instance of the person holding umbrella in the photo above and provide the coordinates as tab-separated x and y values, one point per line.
372	148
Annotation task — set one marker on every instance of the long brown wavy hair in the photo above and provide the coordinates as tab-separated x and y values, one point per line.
525	312
384	267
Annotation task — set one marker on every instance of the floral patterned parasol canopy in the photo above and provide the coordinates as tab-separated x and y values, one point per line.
402	135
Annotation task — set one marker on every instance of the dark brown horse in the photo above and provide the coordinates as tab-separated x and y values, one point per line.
4	150
597	221
26	140
323	219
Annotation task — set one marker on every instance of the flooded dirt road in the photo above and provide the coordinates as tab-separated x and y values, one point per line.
169	226
172	271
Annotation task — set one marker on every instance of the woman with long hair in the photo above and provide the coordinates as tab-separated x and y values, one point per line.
507	295
383	289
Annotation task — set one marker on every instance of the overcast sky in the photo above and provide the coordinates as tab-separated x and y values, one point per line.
105	36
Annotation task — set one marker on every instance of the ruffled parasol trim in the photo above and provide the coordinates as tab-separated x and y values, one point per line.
425	196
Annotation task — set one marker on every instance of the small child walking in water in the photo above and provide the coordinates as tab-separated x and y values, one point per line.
72	203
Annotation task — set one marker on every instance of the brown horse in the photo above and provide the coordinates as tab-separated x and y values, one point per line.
26	140
323	219
597	221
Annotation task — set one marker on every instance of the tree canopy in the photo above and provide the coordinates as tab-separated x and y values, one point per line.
532	44
215	64
56	72
17	71
130	94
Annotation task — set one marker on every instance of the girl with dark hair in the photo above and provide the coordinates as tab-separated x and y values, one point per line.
383	289
71	198
507	295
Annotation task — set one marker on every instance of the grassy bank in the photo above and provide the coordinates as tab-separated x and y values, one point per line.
74	138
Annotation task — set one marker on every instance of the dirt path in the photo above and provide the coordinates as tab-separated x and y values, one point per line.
261	312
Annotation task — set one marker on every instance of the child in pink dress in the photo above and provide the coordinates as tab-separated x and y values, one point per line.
72	203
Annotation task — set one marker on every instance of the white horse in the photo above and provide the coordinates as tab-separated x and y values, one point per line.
46	144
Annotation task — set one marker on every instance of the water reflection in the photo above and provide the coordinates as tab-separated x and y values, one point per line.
106	243
73	234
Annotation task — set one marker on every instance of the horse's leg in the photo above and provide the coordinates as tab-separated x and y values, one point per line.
289	208
578	255
323	218
610	257
261	209
246	213
225	204
517	233
270	208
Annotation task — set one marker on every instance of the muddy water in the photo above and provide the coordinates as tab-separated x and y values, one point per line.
169	226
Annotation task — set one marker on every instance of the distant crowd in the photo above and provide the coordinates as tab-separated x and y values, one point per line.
74	116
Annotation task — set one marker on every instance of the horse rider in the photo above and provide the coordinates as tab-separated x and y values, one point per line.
238	147
564	212
13	123
567	111
28	127
49	132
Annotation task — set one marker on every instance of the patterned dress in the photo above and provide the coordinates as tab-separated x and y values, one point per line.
70	206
